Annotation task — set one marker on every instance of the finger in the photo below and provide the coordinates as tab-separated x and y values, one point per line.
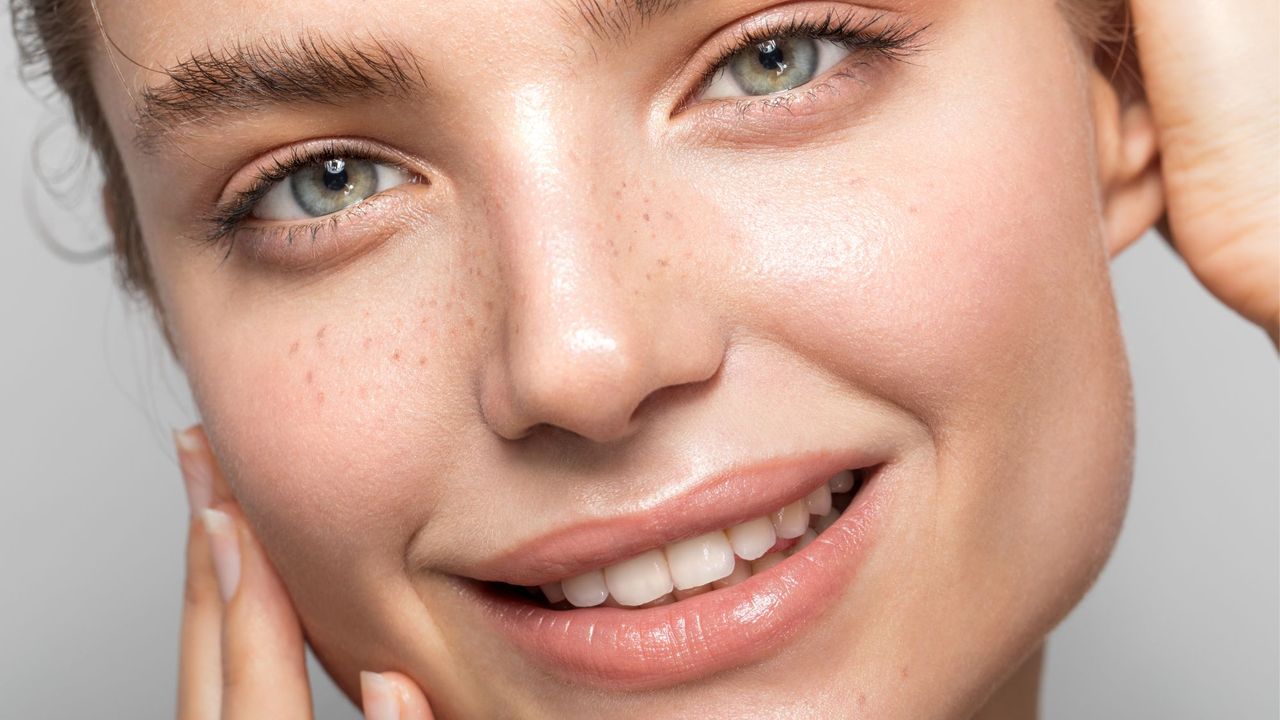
1214	86
392	696
264	670
199	660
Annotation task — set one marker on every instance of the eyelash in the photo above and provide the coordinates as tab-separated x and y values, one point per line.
227	220
854	30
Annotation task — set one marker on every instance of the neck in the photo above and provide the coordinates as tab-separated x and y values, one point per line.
1019	697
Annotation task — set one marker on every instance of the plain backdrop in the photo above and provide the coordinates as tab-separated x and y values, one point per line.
1182	624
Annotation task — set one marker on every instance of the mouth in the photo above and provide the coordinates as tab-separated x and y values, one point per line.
707	562
653	612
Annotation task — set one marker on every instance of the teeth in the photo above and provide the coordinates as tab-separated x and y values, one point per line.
752	539
700	560
553	592
766	562
819	501
741	571
587	589
691	592
639	580
710	561
841	481
827	521
791	521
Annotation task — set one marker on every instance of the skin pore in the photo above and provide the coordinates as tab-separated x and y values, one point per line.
601	290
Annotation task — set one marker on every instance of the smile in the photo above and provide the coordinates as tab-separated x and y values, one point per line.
661	598
714	560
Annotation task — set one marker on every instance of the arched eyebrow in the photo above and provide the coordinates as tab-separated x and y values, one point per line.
314	68
242	77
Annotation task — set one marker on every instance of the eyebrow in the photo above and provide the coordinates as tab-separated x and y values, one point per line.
311	68
615	20
317	69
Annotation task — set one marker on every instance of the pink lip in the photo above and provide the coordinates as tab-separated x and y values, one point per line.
631	649
719	502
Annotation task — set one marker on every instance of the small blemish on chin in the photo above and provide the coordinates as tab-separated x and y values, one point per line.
293	349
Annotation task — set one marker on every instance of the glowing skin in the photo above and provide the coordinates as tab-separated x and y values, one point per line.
592	304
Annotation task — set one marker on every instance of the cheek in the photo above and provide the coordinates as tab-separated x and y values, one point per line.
331	419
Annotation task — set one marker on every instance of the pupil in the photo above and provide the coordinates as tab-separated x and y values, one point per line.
770	56
335	175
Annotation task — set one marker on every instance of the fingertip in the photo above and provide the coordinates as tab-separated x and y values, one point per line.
225	550
405	697
378	697
197	477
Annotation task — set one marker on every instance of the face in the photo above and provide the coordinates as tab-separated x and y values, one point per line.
513	302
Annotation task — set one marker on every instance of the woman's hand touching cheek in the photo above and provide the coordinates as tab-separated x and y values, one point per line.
243	653
1212	73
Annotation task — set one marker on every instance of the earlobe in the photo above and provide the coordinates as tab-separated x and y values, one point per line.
1128	166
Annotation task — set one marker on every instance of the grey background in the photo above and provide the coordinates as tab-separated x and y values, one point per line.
1182	624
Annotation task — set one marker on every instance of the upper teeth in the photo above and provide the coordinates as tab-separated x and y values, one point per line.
721	557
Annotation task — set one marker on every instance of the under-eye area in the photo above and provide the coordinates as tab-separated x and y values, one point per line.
704	563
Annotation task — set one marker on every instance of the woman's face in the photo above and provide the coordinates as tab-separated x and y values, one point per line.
592	307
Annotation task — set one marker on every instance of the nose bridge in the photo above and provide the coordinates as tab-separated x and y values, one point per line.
583	344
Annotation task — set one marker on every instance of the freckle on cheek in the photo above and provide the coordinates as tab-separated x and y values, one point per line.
293	349
310	377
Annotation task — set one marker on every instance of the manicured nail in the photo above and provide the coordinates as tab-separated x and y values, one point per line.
378	695
225	547
196	474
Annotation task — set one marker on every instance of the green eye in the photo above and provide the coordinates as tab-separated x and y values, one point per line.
327	186
775	65
332	185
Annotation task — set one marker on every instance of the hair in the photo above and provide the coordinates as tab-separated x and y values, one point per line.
55	37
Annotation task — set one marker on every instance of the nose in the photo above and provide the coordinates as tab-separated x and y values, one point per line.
598	324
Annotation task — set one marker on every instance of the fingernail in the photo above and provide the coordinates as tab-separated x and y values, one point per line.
378	695
225	547
195	470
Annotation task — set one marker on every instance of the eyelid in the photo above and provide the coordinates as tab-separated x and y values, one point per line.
259	176
725	43
321	244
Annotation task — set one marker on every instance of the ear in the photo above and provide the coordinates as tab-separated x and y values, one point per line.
1128	164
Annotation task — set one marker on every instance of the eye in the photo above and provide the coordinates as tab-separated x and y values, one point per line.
775	65
326	186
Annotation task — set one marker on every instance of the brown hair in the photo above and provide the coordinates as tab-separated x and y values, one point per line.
54	38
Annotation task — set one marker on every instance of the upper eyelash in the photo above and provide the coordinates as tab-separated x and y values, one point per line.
851	28
226	218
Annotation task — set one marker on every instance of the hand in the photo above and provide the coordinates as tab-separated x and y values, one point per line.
243	653
1213	80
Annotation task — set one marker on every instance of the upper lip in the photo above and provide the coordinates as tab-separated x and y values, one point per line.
719	501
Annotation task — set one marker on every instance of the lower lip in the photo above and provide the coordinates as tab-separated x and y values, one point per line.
670	644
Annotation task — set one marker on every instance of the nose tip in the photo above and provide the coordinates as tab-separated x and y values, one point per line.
589	381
